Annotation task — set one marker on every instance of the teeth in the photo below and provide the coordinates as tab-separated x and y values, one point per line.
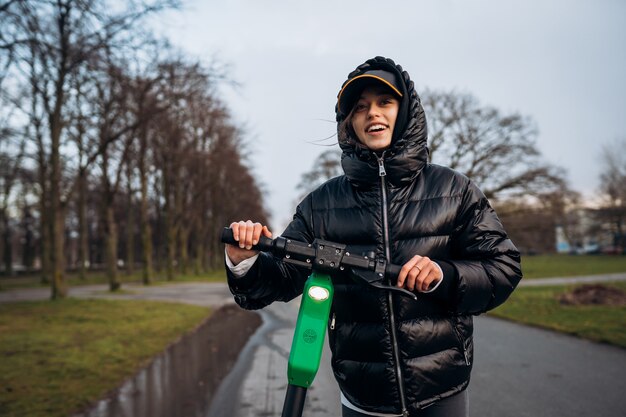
375	127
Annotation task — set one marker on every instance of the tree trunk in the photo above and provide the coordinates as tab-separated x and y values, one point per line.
110	246
199	259
44	229
146	232
57	221
43	173
171	246
170	231
130	227
110	229
183	242
28	252
7	247
83	246
59	285
146	236
158	237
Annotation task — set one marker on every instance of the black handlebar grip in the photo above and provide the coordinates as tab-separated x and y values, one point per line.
265	243
392	270
227	236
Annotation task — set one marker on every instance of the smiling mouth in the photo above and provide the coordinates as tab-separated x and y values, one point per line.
376	128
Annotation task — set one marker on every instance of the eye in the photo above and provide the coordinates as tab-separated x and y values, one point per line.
359	107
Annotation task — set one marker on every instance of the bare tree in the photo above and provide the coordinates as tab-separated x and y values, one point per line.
144	218
52	40
495	150
188	87
234	193
11	156
96	117
613	189
326	166
149	102
115	136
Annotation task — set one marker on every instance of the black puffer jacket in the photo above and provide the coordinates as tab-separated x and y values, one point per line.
390	353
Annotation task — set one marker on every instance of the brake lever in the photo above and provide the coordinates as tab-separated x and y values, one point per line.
373	279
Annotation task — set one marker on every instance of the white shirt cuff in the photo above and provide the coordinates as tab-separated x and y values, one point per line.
438	282
242	267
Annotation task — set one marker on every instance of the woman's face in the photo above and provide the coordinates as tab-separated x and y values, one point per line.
374	117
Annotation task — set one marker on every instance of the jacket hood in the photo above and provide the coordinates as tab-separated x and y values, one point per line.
408	152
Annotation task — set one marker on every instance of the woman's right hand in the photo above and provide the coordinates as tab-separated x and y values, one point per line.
247	234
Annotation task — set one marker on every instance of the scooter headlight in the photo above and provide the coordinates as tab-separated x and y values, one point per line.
318	293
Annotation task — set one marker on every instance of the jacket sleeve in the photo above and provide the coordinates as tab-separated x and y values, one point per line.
270	279
487	263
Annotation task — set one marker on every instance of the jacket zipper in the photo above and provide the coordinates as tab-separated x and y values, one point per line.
394	337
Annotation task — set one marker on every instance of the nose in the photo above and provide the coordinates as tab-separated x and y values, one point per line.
373	111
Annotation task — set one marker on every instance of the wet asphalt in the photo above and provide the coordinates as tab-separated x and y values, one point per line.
518	370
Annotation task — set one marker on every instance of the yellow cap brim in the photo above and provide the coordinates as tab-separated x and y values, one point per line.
360	77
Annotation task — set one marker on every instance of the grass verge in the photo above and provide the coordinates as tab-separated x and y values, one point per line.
539	306
546	266
92	278
58	357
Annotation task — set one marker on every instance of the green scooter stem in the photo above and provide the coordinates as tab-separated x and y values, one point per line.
308	341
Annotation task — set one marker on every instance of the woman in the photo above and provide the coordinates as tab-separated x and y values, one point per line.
391	355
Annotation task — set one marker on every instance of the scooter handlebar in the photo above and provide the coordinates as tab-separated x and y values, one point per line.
265	243
278	245
392	270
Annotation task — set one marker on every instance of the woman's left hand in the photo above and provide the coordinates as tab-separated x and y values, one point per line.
419	274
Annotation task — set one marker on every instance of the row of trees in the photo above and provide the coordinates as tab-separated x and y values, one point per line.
104	129
499	152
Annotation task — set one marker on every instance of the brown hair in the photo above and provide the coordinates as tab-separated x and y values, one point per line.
345	132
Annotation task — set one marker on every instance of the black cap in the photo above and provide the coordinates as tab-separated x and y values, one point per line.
352	88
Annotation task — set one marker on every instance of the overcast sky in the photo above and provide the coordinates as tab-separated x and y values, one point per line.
563	63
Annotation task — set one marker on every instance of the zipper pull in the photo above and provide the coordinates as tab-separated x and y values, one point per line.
332	322
381	167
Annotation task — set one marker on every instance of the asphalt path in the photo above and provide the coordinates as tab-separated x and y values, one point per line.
261	381
525	371
518	370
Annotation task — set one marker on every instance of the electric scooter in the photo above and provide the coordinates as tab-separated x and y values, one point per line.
322	258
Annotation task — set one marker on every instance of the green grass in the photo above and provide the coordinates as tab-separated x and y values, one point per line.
57	357
539	306
93	278
546	266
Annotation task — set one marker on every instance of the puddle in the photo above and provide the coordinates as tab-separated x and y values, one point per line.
182	380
